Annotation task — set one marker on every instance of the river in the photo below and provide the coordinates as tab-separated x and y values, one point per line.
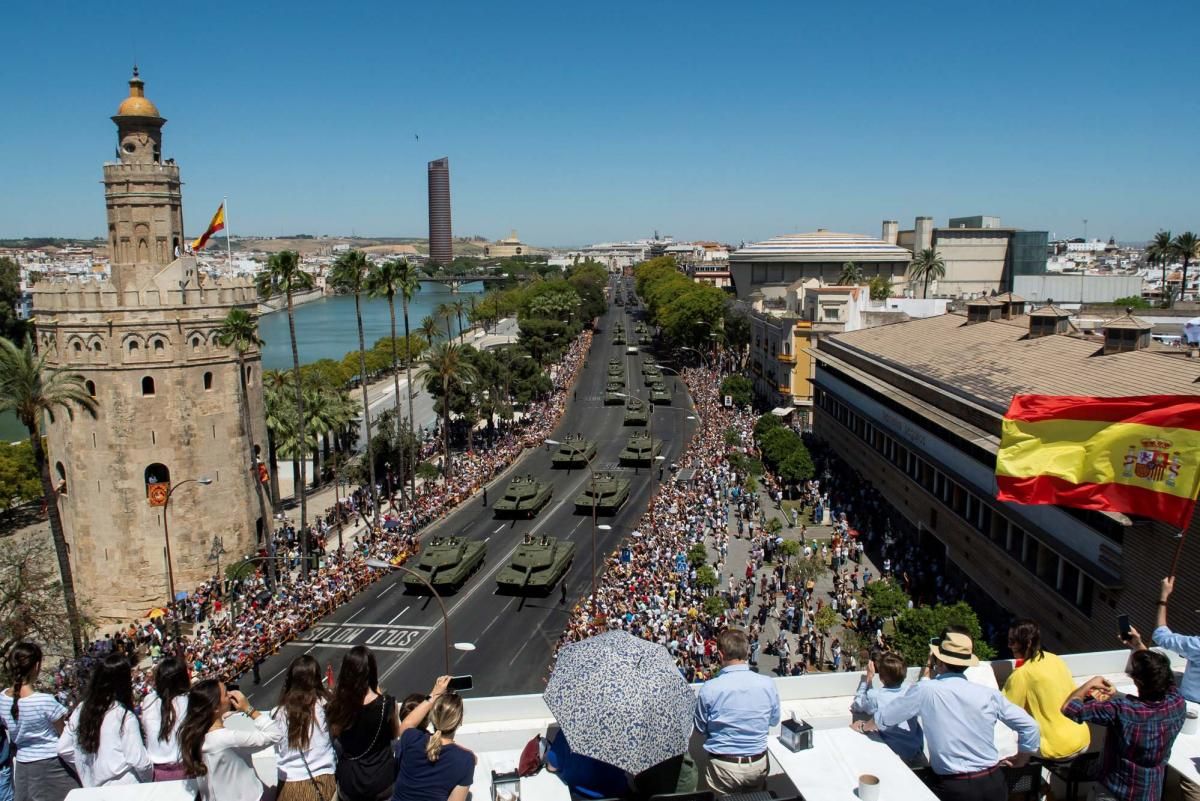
325	329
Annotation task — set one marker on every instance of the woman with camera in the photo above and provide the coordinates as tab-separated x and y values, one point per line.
432	766
220	758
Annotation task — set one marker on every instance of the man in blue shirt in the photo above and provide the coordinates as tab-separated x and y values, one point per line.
906	738
958	718
735	711
1189	648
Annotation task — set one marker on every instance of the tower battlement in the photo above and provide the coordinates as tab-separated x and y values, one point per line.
66	295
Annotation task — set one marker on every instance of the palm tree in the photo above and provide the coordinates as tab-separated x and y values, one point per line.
852	274
1187	247
446	312
239	330
448	366
386	281
1160	251
277	386
31	390
284	276
460	308
927	266
430	330
349	274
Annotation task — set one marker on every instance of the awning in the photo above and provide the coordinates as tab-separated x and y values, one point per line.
783	411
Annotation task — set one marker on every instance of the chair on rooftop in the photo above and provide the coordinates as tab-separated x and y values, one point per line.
1024	783
1074	771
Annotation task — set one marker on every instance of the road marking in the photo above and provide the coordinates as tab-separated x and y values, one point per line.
397	617
498	530
356	614
344	646
518	653
386	590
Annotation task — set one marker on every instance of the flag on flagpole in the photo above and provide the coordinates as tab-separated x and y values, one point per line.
217	224
1134	455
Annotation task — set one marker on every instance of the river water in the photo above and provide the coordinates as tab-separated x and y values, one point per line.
325	329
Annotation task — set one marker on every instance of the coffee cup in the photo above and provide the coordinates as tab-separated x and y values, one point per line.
1191	724
868	787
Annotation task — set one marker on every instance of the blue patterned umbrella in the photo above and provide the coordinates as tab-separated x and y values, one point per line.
620	699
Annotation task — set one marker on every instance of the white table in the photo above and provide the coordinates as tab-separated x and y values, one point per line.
545	786
157	791
829	770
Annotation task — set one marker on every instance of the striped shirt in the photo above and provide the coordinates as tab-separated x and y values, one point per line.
1138	742
33	734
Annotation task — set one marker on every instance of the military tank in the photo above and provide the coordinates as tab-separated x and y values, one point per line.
524	497
446	562
640	328
645	339
613	395
608	491
636	413
652	376
574	451
649	364
537	565
660	395
617	379
616	371
618	339
641	449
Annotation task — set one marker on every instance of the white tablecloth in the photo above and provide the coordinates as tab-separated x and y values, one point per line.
829	770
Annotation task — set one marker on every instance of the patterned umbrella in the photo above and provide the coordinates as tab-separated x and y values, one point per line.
620	699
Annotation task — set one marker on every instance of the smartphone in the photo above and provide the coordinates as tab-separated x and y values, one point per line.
459	683
232	686
1124	627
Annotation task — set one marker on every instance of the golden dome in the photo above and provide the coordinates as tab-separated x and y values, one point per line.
136	105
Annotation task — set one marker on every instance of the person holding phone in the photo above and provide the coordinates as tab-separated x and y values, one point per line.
432	766
221	759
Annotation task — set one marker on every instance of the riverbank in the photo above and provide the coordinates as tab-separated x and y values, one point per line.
279	302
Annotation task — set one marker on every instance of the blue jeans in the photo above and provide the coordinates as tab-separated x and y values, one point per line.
6	789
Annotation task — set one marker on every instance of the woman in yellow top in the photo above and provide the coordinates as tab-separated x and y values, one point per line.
1040	686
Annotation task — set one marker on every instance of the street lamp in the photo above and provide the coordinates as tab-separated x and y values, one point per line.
214	554
205	480
592	479
703	358
379	564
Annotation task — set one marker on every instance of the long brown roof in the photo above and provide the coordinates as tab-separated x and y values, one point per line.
995	360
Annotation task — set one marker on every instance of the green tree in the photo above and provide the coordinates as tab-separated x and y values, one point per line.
31	389
697	554
917	626
927	266
349	274
1187	247
706	577
1161	251
19	480
797	467
460	308
427	471
446	312
283	276
810	569
31	596
11	326
1132	302
851	275
239	331
880	287
714	606
885	598
448	368
736	326
739	388
732	438
824	621
393	278
765	423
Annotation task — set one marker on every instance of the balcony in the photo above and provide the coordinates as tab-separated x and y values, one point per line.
786	358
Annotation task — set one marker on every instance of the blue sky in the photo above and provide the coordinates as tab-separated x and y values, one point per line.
582	122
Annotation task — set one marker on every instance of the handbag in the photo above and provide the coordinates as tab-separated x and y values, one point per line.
369	773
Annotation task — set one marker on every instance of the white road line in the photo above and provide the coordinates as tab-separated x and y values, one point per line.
397	617
356	614
518	653
386	590
277	675
372	625
498	530
345	646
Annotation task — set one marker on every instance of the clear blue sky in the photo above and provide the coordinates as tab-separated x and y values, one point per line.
580	122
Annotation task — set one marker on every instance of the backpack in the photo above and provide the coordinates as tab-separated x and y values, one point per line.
533	756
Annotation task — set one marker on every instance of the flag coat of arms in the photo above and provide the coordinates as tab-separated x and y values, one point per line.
1134	455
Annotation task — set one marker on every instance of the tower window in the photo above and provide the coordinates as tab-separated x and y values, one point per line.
157	474
96	346
62	478
207	381
159	346
148	386
197	341
249	373
90	386
132	346
77	346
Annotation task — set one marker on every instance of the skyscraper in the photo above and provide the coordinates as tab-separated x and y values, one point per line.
441	246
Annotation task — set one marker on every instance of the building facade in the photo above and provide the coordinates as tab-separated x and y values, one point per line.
917	407
441	239
169	404
980	256
773	266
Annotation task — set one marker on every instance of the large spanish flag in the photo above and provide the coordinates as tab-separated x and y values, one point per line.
217	224
1138	456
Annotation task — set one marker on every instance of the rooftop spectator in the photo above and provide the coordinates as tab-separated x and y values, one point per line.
103	737
905	738
163	711
1040	686
304	756
363	723
34	721
219	758
432	766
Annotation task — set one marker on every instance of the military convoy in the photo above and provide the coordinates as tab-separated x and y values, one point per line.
641	449
574	451
636	412
525	497
652	376
660	395
613	396
536	566
605	491
446	562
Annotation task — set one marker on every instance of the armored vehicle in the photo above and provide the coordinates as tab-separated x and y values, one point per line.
608	491
636	413
653	376
660	395
645	339
537	565
640	328
616	363
613	396
641	449
574	451
618	329
616	370
618	338
446	562
524	497
649	365
615	381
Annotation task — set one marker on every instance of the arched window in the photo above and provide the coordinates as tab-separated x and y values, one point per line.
62	478
97	346
148	386
90	385
249	374
157	474
132	346
207	381
197	341
159	346
77	346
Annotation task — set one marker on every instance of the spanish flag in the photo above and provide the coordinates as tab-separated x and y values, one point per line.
217	224
1138	455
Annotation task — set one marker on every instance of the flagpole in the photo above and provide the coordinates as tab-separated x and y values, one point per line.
228	235
1183	531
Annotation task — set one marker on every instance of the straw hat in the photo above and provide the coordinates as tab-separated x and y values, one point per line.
954	649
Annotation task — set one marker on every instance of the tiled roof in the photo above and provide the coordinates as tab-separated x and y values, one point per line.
821	246
993	361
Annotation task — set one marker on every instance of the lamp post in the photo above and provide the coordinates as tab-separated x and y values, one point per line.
167	542
592	479
379	564
703	358
214	555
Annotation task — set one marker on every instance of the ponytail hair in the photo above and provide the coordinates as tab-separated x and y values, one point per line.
204	702
445	717
24	660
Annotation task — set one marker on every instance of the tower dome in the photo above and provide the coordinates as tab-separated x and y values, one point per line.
136	105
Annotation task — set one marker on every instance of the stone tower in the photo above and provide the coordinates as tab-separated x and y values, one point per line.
168	396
